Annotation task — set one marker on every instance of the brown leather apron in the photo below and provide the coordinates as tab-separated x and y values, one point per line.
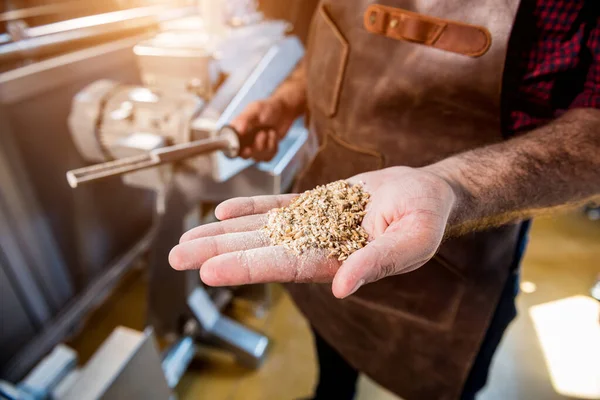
401	82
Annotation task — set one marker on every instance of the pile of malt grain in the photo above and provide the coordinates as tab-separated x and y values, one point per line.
327	217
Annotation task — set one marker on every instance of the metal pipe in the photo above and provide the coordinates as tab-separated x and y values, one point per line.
54	37
38	11
112	168
46	45
95	21
50	9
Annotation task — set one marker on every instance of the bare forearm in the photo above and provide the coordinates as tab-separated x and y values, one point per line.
292	92
553	166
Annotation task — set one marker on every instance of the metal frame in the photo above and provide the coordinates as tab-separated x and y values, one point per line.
249	347
26	240
179	304
62	325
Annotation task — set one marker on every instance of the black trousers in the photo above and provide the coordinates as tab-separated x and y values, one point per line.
337	379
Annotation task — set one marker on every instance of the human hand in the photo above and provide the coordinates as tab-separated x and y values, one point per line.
272	119
406	219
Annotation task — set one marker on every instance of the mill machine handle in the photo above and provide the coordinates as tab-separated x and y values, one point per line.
227	140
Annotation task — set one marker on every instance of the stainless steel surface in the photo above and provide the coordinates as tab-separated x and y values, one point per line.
34	280
113	60
65	385
38	307
48	374
177	298
203	308
85	226
127	366
26	239
17	326
248	346
53	333
177	359
9	391
168	289
60	240
179	61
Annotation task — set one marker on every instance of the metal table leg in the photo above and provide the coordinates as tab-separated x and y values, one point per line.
248	346
175	297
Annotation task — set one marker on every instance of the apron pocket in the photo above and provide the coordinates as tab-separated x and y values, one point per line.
431	295
328	54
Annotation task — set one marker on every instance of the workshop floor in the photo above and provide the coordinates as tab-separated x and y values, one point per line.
562	262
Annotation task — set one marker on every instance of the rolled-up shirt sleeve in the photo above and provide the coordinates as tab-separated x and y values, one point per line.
553	62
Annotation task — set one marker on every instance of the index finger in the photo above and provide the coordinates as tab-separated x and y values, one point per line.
242	206
242	224
247	118
268	264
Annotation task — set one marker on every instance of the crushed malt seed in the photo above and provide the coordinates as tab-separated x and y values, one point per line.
327	217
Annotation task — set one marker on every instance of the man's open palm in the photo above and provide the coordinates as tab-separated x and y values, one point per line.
406	219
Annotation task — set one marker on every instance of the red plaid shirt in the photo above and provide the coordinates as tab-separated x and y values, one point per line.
553	62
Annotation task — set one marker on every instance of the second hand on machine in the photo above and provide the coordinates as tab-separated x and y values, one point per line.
228	140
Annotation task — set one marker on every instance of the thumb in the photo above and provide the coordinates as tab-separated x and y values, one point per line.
276	118
240	124
390	254
248	118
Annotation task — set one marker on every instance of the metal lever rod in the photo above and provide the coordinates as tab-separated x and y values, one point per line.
155	158
192	149
112	168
